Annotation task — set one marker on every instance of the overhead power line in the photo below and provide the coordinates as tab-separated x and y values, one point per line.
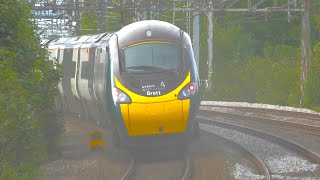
63	17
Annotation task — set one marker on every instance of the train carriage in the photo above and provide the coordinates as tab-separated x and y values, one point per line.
142	81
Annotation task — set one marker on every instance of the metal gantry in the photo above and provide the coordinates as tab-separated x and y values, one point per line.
63	17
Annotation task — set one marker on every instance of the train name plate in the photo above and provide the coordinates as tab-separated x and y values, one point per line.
154	88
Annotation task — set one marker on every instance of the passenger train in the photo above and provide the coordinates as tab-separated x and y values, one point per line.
141	82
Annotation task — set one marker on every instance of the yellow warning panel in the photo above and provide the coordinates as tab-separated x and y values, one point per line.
156	118
96	140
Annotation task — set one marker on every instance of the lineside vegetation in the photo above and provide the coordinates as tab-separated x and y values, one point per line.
28	85
256	57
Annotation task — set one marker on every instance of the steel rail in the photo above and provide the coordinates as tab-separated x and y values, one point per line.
314	157
262	167
129	171
305	115
187	169
292	126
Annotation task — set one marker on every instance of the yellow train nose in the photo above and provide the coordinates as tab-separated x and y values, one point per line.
156	118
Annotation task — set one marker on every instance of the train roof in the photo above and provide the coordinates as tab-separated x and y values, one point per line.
79	41
59	41
130	34
151	30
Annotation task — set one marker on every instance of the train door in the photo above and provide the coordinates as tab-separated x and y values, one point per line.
84	74
75	59
60	87
99	81
54	58
82	81
99	76
68	72
92	59
93	108
60	59
77	106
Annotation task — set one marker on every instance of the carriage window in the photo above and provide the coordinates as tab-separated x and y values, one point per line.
92	57
99	68
85	70
87	59
68	67
92	60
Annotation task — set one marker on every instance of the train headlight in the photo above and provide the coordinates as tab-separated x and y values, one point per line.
188	91
120	97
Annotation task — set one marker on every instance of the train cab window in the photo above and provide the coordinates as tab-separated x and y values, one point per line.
155	56
188	56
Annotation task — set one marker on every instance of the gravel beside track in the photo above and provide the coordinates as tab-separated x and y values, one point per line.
164	163
298	133
78	161
283	158
210	157
278	115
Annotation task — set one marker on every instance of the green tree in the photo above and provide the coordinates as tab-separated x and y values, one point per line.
232	46
277	77
312	99
89	21
28	85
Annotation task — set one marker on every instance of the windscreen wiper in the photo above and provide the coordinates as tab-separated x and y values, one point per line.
149	69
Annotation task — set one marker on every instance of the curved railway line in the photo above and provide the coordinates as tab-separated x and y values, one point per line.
187	168
258	162
311	125
129	171
279	112
289	145
134	165
199	162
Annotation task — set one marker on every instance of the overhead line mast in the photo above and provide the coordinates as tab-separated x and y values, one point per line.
61	16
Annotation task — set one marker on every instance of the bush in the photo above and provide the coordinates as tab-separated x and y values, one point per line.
312	96
28	85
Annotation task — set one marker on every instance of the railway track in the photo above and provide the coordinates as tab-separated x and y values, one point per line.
129	171
288	145
261	167
134	165
120	165
187	174
311	126
313	116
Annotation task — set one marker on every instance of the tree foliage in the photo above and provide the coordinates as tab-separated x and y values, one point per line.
256	56
313	85
28	84
89	24
259	61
